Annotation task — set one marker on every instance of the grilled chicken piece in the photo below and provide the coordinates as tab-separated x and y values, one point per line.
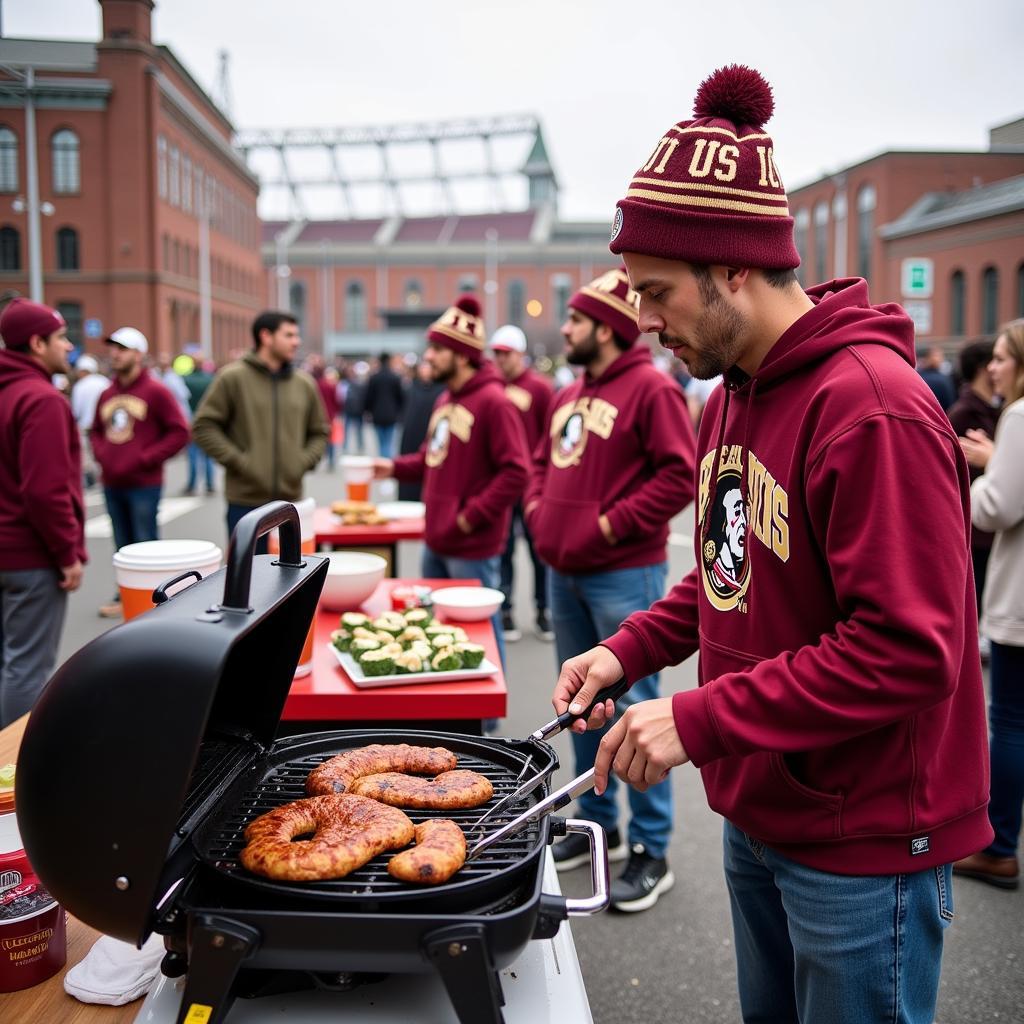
450	791
439	852
337	774
347	832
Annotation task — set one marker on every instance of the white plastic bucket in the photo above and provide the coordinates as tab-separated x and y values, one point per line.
141	568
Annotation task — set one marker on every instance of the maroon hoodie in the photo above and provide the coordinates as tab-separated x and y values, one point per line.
474	462
840	716
137	429
621	445
42	517
531	394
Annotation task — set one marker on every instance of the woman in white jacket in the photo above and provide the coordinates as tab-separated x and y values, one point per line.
997	504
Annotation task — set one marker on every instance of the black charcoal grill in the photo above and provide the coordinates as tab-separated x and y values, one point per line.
152	749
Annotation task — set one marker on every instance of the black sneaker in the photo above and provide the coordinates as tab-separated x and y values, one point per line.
643	881
574	850
544	629
508	628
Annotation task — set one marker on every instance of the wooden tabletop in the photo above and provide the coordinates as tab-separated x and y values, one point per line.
48	1002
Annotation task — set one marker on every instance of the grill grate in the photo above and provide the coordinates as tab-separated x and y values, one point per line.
221	845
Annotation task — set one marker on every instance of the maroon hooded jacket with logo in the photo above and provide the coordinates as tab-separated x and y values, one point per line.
840	717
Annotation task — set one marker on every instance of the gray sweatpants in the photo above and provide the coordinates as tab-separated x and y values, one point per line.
32	609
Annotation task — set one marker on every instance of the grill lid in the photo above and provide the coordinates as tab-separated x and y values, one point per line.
138	732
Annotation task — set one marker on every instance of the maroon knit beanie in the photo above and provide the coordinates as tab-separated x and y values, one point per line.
23	318
461	329
610	300
710	192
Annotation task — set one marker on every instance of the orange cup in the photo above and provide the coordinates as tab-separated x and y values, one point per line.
357	490
358	472
141	568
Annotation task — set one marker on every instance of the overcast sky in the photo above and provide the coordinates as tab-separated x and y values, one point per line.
605	79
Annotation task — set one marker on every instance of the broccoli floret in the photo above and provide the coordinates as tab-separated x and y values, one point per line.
472	654
342	639
377	663
446	660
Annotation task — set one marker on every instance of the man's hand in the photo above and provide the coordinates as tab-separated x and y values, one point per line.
978	448
578	683
383	469
463	523
71	576
606	529
531	506
641	747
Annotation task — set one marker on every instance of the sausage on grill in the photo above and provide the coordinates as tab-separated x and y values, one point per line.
337	774
439	852
347	831
456	790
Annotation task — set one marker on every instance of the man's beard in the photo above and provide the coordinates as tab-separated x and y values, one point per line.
443	374
584	352
716	335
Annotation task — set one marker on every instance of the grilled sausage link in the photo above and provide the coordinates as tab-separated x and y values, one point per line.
337	774
347	832
439	852
450	791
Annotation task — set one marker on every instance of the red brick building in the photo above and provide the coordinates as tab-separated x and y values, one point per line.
130	152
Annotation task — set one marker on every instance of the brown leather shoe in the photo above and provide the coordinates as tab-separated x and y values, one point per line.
1002	872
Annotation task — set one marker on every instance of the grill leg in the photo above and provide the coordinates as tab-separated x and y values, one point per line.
463	959
217	948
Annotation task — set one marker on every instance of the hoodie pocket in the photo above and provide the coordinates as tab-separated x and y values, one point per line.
567	535
443	533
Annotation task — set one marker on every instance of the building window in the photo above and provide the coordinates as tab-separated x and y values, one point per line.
355	307
186	184
989	300
297	302
956	303
820	241
10	248
66	173
412	294
561	292
516	302
867	199
468	283
72	313
8	161
174	190
801	222
1020	290
839	235
67	249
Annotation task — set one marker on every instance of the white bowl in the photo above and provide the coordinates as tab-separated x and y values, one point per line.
467	604
352	577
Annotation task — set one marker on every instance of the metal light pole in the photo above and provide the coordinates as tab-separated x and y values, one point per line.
205	304
35	250
283	271
491	280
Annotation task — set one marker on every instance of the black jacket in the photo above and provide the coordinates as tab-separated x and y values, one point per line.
385	398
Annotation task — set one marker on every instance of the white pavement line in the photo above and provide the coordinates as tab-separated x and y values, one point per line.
94	498
681	540
170	508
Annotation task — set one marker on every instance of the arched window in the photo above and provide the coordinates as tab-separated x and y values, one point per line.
957	287
801	223
297	302
820	241
989	300
867	199
355	307
412	294
161	166
839	246
561	292
516	302
468	283
174	191
10	248
67	249
8	161
72	313
66	173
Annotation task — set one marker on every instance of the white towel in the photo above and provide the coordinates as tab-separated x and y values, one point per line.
115	972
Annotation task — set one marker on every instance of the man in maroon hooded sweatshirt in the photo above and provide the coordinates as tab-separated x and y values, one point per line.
42	519
473	462
839	724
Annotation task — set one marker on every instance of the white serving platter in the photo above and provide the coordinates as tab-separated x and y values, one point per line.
401	509
355	672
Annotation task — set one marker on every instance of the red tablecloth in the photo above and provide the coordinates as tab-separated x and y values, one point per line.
329	530
327	692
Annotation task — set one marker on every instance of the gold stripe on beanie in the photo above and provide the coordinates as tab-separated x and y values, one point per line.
700	129
612	300
701	186
719	204
466	339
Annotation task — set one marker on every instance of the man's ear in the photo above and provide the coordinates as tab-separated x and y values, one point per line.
604	333
736	277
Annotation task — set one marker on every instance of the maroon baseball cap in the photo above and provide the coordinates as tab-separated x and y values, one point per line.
23	318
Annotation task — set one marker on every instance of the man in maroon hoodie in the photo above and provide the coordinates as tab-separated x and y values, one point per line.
473	462
42	519
531	393
614	466
138	427
839	724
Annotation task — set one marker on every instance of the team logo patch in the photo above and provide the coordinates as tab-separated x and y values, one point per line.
573	423
447	422
919	845
616	224
724	562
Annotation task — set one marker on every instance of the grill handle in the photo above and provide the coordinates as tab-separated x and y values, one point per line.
242	549
600	892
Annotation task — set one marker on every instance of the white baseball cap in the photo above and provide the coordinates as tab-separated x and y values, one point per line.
86	364
129	337
508	339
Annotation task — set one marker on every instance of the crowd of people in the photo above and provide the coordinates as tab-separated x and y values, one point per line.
850	534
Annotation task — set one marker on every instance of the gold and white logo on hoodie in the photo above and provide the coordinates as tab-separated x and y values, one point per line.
573	423
447	421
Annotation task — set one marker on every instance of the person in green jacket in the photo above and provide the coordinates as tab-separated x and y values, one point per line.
263	420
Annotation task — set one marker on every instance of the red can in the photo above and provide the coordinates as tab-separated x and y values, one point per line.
33	934
410	596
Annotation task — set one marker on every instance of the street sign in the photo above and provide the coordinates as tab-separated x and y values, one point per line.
93	328
917	277
920	311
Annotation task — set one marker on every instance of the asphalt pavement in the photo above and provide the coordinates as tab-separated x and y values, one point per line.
673	963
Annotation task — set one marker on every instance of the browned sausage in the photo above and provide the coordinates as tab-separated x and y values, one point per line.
337	774
439	852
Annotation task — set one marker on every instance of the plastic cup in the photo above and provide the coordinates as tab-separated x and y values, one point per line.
141	568
358	472
307	533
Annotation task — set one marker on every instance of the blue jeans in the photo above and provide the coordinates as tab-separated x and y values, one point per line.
1006	722
585	610
386	441
540	570
235	512
435	566
353	433
132	513
834	949
198	459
